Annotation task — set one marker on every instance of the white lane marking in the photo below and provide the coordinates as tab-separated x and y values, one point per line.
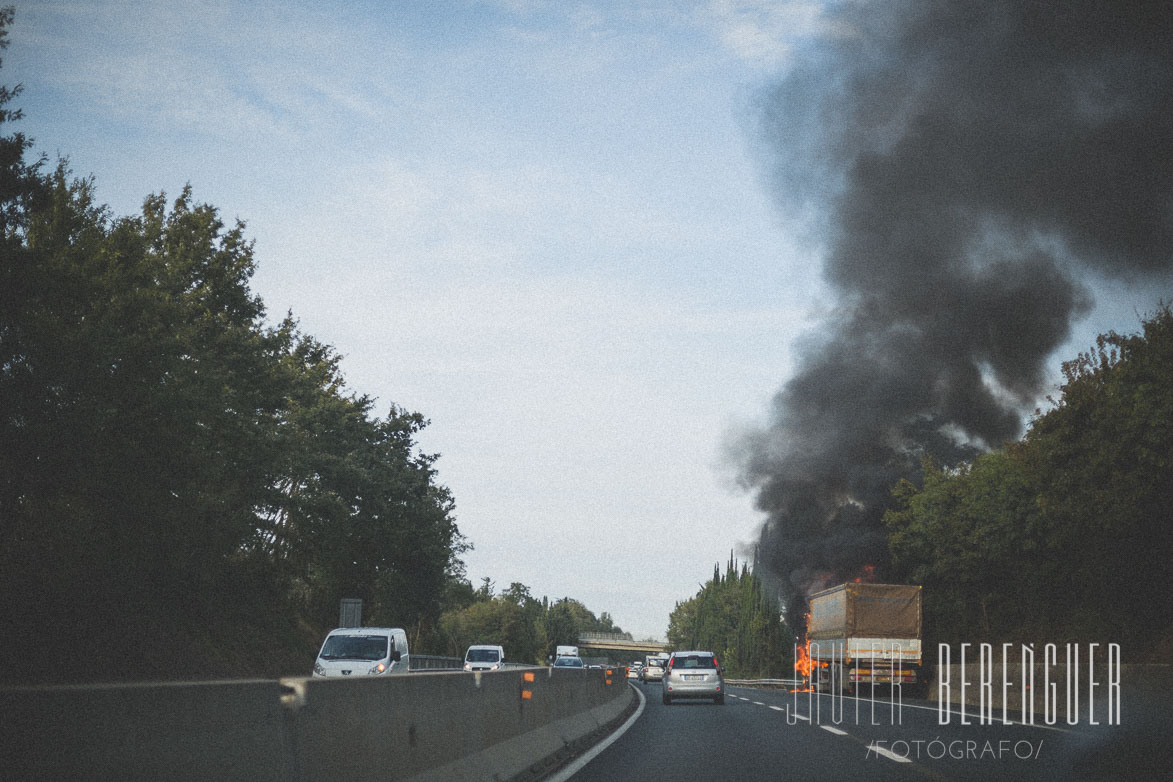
887	753
758	703
973	716
569	771
878	750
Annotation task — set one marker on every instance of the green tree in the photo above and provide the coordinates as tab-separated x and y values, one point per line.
22	188
1063	535
974	538
733	616
494	621
1104	455
138	412
560	625
529	629
175	475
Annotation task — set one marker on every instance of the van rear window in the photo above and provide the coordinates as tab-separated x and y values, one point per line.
355	647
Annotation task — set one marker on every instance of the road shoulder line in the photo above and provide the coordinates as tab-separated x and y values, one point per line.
577	765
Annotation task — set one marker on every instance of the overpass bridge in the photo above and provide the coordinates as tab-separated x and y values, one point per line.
616	642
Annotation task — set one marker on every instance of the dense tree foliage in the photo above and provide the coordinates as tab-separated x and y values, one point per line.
1065	534
528	628
177	476
735	618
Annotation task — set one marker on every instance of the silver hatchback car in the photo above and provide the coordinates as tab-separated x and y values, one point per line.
693	675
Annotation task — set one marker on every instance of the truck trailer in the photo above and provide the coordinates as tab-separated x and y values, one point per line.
864	636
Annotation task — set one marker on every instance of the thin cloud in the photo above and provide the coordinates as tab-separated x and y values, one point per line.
765	32
192	65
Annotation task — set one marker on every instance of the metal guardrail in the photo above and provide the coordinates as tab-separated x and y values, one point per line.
431	662
764	682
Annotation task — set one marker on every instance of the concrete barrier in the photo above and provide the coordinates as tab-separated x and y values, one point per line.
476	726
210	730
427	726
538	731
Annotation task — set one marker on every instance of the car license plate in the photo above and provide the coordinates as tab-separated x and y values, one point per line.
688	678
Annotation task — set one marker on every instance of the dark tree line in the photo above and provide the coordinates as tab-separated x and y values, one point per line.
1066	534
185	489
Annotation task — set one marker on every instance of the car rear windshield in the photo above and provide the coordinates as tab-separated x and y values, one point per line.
355	647
483	656
694	661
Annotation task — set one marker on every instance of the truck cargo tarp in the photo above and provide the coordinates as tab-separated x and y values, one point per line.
868	610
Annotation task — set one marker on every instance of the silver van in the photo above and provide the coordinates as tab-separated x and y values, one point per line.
363	651
484	657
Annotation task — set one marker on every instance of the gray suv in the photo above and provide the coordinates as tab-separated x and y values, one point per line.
693	675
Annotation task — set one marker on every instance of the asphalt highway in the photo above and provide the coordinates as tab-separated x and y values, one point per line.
776	735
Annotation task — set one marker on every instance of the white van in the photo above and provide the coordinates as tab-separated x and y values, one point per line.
484	657
566	651
363	651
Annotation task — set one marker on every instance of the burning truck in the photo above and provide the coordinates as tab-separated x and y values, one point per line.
863	635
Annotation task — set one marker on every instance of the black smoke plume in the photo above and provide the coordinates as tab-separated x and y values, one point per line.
971	166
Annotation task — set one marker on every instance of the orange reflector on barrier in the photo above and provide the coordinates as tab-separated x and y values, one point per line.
527	695
608	681
528	676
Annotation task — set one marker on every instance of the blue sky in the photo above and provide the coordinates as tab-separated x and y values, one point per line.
546	226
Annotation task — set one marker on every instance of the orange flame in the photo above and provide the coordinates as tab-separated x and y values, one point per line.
867	576
803	662
802	656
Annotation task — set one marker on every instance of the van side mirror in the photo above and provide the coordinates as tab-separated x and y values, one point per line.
396	656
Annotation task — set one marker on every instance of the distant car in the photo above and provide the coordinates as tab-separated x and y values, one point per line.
484	657
633	672
693	675
652	672
569	662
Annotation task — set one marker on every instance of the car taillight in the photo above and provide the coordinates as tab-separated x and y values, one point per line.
716	664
